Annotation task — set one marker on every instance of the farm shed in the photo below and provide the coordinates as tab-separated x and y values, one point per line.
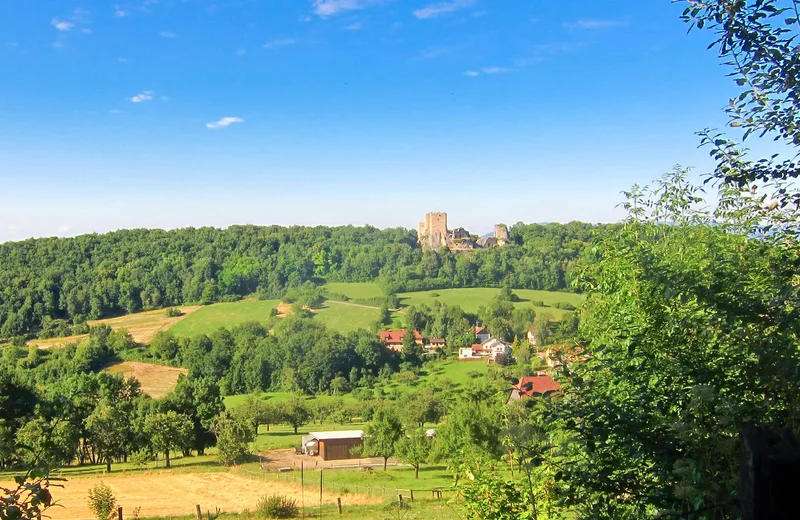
333	445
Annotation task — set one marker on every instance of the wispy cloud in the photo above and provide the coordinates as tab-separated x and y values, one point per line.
590	24
147	95
436	52
167	34
471	73
223	122
120	12
284	42
61	25
495	70
440	8
58	44
240	52
333	7
353	26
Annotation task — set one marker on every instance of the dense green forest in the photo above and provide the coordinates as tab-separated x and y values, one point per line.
50	284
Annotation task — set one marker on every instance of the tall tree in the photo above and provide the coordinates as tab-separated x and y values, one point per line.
168	431
414	449
382	434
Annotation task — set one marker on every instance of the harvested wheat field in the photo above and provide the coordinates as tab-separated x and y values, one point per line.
165	494
142	326
156	380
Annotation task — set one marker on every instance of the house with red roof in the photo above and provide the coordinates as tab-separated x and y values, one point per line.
540	385
482	334
393	339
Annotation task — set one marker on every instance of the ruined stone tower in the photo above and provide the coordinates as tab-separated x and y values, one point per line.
501	234
433	231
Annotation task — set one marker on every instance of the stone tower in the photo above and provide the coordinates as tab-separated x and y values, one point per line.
501	234
433	231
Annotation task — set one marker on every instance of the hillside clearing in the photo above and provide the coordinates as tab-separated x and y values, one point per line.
363	290
211	318
165	494
471	299
157	381
142	326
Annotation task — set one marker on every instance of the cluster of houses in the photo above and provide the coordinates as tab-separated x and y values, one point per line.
486	346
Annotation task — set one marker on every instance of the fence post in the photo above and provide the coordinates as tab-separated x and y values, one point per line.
119	513
339	503
198	512
411	492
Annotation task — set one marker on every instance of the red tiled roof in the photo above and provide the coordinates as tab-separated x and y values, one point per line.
533	385
396	336
477	347
479	329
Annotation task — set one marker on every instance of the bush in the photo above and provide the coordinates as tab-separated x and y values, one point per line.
435	295
141	457
538	303
102	502
277	506
564	305
173	312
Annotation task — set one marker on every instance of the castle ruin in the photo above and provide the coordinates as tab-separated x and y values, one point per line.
433	234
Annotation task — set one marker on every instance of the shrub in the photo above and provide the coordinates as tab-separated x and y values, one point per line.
277	506
564	305
141	457
102	503
173	312
538	303
435	295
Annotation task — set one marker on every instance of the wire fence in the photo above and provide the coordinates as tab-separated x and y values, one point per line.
315	482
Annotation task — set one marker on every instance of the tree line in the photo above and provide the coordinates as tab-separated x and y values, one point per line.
50	286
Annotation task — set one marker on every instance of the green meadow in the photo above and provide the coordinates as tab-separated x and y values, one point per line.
354	291
471	299
212	317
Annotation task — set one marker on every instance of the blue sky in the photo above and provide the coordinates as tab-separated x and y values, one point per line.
167	113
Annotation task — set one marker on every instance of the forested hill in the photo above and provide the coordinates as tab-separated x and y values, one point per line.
94	276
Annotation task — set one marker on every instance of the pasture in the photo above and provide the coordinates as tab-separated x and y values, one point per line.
471	299
157	381
142	326
213	317
363	291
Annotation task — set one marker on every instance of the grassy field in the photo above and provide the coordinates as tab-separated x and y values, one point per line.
354	291
232	401
157	381
471	299
346	318
212	317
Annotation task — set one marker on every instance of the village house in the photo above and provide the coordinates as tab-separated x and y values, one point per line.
531	337
482	334
393	339
433	344
539	385
491	351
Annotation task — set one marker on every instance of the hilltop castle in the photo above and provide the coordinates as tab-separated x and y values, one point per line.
433	234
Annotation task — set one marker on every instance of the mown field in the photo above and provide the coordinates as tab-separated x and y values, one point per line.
142	326
212	317
354	291
157	381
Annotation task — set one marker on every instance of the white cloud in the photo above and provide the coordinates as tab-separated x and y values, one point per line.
585	24
434	10
471	73
121	13
240	52
223	122
285	42
332	7
353	26
147	95
86	31
167	34
61	25
305	19
494	70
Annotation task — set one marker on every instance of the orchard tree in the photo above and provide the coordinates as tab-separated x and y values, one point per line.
414	449
295	413
382	434
108	430
168	431
234	435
